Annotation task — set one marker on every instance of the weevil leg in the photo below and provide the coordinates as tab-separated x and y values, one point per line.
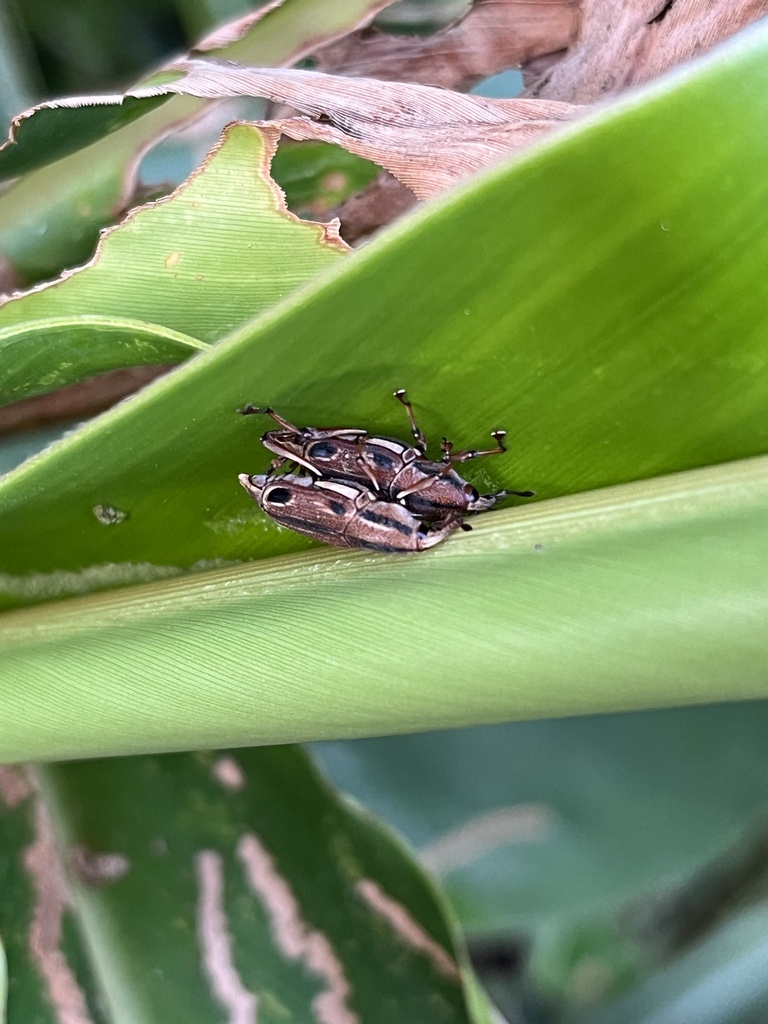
252	410
446	447
425	483
421	440
465	456
434	532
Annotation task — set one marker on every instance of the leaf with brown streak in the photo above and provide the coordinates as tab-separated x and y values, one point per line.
623	44
428	138
493	36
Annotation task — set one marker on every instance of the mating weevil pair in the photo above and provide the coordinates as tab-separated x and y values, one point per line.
364	491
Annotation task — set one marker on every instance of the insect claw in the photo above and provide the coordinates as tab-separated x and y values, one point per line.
252	410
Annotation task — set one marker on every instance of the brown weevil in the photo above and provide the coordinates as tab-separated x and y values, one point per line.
346	513
394	470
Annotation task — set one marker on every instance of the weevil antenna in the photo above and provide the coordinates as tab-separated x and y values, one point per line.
252	410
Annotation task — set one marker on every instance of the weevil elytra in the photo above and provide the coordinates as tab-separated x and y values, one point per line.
345	513
393	469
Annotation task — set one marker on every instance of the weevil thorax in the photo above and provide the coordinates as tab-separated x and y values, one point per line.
445	492
344	454
315	448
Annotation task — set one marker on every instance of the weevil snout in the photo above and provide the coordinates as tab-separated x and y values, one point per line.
254	485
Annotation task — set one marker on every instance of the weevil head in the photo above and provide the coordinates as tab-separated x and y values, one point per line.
254	485
314	448
288	443
480	502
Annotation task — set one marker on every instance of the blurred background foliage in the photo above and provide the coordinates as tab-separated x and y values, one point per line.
87	46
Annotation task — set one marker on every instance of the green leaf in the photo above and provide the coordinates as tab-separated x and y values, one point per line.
204	886
592	603
50	218
57	129
723	981
41	355
617	343
508	840
220	249
3	986
596	345
317	176
46	960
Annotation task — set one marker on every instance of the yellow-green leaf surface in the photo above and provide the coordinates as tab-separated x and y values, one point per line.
202	888
648	594
218	251
50	217
603	300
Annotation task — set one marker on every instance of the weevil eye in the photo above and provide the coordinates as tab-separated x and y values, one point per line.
471	492
322	450
278	496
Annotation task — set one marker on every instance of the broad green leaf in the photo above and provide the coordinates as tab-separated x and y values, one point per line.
44	954
317	176
50	218
596	602
41	355
723	981
604	308
508	839
58	128
219	250
235	886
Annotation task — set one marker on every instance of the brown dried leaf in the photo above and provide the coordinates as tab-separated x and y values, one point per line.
625	43
428	138
78	401
493	36
383	201
690	28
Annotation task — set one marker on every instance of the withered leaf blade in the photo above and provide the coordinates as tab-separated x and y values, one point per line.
620	45
493	36
428	138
